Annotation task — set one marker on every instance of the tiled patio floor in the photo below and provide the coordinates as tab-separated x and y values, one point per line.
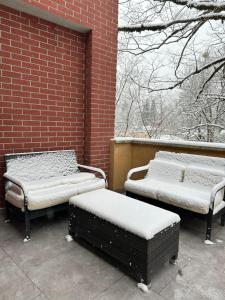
50	268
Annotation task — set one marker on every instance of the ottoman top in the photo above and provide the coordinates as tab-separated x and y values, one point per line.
139	218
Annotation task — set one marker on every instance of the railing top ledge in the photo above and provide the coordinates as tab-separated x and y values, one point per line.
172	143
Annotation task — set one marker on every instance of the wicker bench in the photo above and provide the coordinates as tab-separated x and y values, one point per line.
139	236
191	182
41	182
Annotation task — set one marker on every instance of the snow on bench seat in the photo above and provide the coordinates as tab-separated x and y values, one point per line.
158	172
187	186
187	181
54	195
53	181
139	218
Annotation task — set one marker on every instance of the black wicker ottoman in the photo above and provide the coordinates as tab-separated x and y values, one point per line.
138	236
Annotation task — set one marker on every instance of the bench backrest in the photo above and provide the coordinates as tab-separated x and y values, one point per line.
192	159
167	171
34	166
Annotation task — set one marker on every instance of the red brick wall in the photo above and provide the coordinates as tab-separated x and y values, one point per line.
57	85
101	17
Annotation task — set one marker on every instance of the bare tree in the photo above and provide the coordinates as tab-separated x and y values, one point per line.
185	28
137	112
202	110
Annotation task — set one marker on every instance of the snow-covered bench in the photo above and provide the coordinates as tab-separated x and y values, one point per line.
191	182
41	181
141	237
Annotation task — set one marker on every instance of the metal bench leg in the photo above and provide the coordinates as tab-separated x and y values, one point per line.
27	225
7	211
222	220
209	224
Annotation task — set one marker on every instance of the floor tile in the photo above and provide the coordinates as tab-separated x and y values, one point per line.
2	254
13	230
197	282
77	274
48	267
164	275
195	249
126	289
40	297
48	240
14	285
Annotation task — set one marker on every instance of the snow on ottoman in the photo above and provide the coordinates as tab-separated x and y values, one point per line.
139	236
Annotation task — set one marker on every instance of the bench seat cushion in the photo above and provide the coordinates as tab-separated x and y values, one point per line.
53	181
177	194
185	197
54	195
90	185
134	216
188	187
144	187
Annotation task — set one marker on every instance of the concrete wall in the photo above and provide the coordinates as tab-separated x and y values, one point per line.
130	153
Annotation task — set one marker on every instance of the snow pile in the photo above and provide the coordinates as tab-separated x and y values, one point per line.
132	215
208	242
69	238
41	166
143	287
219	241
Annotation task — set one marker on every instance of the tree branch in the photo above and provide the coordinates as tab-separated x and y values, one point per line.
179	83
199	5
163	26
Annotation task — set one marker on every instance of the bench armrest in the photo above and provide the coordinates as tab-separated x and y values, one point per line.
219	186
14	180
98	170
135	170
19	184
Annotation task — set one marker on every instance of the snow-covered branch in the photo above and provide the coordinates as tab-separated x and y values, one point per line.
199	5
203	125
163	26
